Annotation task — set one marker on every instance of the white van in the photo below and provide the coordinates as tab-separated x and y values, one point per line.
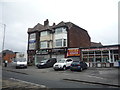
63	63
20	63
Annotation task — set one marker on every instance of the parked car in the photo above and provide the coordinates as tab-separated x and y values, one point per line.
63	64
78	65
20	63
46	63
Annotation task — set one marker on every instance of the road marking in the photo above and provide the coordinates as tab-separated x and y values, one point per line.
42	86
95	77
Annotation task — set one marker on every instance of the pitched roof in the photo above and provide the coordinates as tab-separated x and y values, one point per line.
40	27
95	44
36	28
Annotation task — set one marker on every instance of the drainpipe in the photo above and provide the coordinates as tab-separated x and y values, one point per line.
109	57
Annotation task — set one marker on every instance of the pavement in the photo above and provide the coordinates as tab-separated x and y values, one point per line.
8	84
102	76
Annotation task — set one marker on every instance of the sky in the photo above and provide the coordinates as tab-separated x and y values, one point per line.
98	17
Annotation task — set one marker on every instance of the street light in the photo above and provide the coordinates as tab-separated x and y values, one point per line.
3	38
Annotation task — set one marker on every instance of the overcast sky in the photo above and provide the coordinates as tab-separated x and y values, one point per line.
98	17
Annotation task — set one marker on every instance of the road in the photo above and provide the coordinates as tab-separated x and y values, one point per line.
49	78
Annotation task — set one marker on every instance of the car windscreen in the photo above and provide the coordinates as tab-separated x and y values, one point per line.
43	61
61	61
75	62
20	60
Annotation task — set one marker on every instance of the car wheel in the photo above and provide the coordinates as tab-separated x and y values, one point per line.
55	69
64	67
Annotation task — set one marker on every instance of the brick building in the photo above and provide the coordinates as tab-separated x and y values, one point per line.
8	55
46	41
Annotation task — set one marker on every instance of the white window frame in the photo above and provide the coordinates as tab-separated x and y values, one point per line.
44	33
46	44
58	42
32	36
63	30
62	44
32	46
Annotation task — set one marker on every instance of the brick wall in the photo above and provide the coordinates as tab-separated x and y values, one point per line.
9	57
78	37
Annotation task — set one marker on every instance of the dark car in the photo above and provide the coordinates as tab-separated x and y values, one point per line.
78	66
46	63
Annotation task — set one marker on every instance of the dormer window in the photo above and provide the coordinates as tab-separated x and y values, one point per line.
60	30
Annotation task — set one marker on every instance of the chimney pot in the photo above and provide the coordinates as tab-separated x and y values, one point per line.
46	23
53	24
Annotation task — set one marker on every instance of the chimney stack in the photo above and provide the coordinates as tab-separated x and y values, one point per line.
53	24
46	23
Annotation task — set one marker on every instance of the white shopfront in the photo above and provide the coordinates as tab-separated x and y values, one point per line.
100	57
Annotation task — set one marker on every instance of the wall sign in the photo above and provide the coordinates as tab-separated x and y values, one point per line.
73	52
94	49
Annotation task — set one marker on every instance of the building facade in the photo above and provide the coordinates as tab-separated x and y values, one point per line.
46	41
8	55
100	56
104	56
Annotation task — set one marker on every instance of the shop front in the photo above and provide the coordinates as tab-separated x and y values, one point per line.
31	57
101	57
74	53
57	53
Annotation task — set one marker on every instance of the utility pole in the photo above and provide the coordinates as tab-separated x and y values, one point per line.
3	42
3	37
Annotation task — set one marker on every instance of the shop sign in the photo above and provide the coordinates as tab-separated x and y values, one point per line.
32	41
58	50
95	49
42	52
73	52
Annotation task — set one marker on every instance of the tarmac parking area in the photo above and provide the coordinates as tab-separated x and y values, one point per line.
105	76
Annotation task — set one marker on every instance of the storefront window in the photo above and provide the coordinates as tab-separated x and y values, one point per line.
105	52
85	52
97	52
115	51
91	52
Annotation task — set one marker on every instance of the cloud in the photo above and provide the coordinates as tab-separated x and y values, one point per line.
98	17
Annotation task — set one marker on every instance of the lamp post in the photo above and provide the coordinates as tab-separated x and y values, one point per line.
3	42
3	37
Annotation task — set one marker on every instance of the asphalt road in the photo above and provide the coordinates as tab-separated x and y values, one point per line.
48	78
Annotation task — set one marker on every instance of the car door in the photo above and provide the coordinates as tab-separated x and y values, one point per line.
82	64
14	63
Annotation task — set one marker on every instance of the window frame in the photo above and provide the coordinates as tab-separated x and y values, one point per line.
32	46
32	36
63	43
47	45
44	33
60	30
58	42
